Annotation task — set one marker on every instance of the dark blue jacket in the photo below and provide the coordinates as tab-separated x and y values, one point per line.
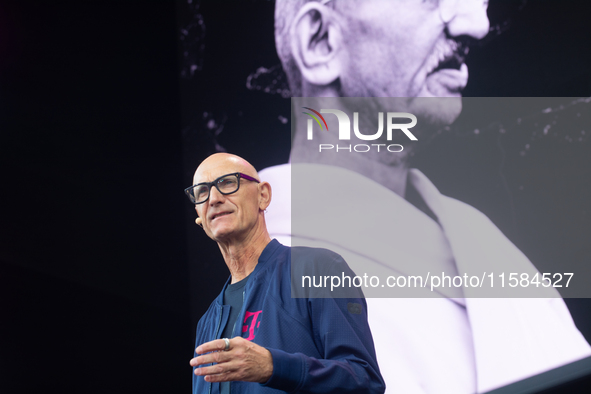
318	345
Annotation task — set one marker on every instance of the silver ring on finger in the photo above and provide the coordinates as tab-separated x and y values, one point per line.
227	342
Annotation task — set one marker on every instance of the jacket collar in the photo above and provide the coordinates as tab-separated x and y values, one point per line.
270	250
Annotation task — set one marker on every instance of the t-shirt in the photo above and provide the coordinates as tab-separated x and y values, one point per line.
234	297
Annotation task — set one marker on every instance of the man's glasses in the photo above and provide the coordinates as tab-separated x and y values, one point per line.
226	184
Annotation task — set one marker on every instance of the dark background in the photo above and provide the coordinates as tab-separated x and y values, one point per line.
103	274
94	296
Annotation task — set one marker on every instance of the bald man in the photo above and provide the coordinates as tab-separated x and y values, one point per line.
256	338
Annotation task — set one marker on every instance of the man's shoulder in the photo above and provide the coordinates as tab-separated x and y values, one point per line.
304	255
307	253
313	270
318	261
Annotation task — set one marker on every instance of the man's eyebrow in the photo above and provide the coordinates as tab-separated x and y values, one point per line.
217	177
200	182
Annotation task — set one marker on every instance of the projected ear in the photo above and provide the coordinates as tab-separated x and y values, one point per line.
316	41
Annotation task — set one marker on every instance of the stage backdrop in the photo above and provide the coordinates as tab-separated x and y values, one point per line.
518	164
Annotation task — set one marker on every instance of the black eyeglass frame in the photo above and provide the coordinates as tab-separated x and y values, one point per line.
238	175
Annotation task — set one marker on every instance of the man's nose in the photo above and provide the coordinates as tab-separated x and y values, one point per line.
215	197
468	17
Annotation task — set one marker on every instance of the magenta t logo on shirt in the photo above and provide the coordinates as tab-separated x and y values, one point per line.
253	323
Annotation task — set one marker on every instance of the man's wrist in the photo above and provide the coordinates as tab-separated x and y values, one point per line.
288	370
267	367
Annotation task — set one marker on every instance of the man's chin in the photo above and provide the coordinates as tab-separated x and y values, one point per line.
221	234
436	111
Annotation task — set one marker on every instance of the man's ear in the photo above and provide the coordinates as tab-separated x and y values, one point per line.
316	43
264	195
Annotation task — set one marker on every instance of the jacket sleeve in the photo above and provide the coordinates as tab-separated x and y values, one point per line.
343	337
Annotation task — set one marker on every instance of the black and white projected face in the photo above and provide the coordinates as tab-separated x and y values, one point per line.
410	48
404	48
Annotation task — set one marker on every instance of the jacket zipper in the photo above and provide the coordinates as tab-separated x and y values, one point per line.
217	328
234	329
